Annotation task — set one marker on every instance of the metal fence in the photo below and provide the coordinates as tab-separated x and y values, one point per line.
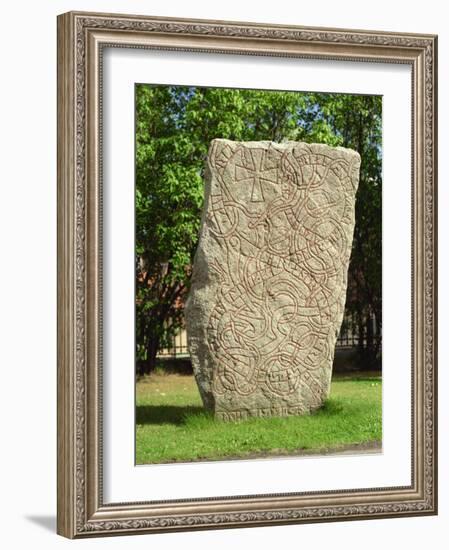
178	348
348	338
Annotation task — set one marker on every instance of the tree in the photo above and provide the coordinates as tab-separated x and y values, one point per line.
358	119
174	126
168	205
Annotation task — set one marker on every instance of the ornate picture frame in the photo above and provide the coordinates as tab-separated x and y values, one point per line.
82	38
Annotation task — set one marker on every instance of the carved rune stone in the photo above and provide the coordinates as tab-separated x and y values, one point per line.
270	275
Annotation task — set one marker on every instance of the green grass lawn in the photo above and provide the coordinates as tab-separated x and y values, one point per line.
171	424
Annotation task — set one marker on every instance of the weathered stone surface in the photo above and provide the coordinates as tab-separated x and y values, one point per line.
270	275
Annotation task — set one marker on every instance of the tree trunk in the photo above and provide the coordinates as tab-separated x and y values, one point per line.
152	348
369	338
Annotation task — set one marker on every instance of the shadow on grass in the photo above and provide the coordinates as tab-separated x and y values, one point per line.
166	414
331	407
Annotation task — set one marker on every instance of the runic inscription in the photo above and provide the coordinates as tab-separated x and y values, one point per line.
270	275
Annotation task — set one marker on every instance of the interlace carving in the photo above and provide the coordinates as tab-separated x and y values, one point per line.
276	242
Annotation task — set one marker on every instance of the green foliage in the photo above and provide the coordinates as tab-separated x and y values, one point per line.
174	127
358	119
171	424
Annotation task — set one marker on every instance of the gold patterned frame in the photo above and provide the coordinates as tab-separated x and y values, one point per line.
81	39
